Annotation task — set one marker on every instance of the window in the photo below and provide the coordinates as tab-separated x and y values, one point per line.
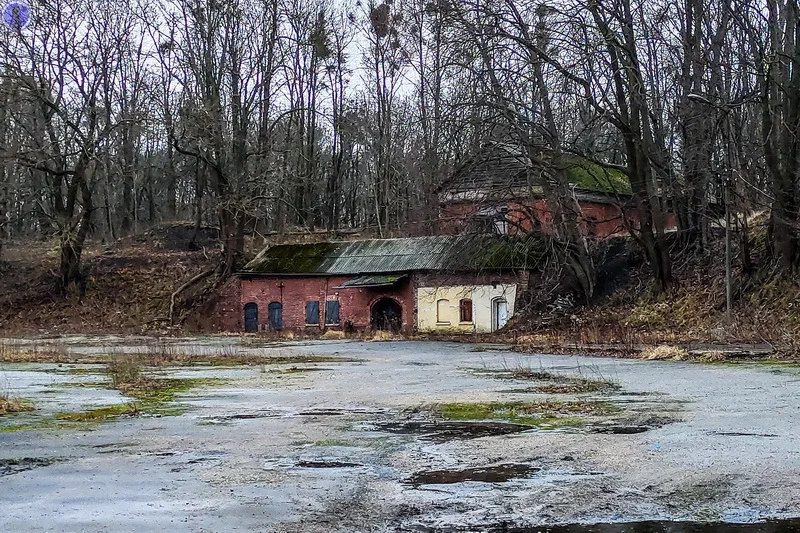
491	219
441	311
312	313
331	312
465	310
501	225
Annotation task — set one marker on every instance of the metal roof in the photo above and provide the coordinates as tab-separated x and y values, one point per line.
455	253
373	280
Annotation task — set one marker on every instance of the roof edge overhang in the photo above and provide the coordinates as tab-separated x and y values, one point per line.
244	274
524	193
369	281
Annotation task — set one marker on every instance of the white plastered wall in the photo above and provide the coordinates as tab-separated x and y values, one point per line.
482	297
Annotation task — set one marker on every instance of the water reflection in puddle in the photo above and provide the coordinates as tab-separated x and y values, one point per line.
775	526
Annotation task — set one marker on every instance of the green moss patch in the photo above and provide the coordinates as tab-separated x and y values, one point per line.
152	396
300	369
555	382
162	390
101	414
544	414
589	175
307	257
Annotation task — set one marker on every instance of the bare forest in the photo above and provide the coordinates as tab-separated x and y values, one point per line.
270	116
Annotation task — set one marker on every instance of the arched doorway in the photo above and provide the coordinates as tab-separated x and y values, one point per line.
387	315
275	316
251	317
499	313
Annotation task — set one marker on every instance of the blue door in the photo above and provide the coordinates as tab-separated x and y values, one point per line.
251	317
275	316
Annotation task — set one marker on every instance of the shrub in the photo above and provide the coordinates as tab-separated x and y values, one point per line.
125	370
12	404
663	352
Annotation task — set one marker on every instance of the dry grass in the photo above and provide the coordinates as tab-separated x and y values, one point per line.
583	379
158	353
333	334
381	336
664	352
14	351
125	371
713	357
11	404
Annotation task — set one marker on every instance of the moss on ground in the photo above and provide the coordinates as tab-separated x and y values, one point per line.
101	414
299	370
163	390
541	414
151	397
336	442
555	382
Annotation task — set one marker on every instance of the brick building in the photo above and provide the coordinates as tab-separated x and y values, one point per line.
468	278
458	283
498	190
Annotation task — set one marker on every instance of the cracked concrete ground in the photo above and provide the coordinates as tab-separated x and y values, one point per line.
269	450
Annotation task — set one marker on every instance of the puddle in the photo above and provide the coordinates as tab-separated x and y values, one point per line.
334	411
445	431
112	447
777	526
323	412
9	467
744	434
251	415
489	474
326	464
619	429
267	413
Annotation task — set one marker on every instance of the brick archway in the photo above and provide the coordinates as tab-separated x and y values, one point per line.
386	314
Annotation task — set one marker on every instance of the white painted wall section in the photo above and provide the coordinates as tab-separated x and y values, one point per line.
435	315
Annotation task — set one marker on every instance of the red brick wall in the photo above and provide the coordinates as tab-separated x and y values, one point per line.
453	217
221	312
598	219
293	292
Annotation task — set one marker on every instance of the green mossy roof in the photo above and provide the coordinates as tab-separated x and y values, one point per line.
587	175
500	168
460	253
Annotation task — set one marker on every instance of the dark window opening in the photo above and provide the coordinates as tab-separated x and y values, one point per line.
331	312
312	313
465	308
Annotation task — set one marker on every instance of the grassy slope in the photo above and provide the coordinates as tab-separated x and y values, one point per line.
766	308
128	290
